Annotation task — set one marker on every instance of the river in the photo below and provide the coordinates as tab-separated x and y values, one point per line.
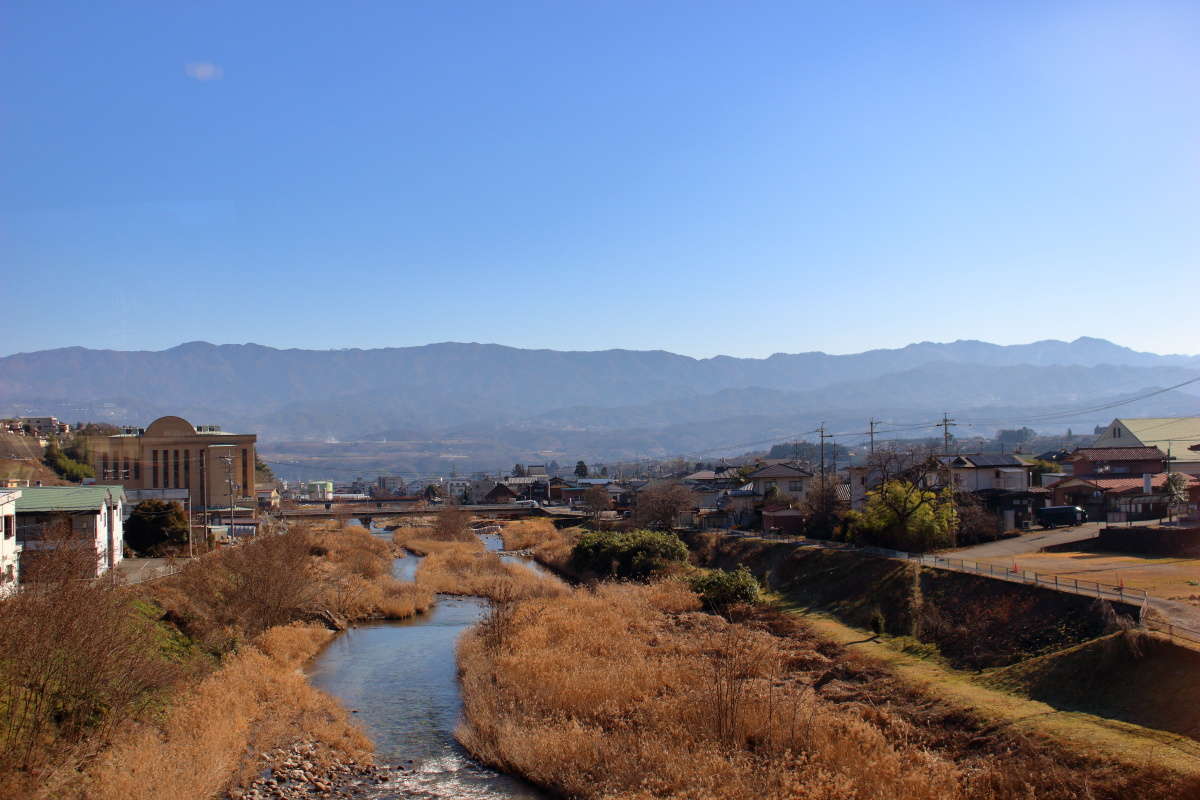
401	679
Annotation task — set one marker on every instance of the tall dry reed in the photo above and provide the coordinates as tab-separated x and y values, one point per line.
255	702
627	691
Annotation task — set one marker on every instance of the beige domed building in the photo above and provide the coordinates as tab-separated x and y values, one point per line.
217	468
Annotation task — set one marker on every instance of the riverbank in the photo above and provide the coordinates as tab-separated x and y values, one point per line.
626	690
175	688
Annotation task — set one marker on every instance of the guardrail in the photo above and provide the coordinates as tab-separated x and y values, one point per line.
1173	632
1058	583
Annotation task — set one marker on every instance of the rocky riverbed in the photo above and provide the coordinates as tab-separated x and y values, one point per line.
298	773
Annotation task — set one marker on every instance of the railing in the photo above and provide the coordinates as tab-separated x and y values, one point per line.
1173	631
1058	583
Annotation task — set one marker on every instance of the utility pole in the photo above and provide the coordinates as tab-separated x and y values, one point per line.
821	432
229	482
946	424
871	432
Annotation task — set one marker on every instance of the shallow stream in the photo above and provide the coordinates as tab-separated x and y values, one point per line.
401	681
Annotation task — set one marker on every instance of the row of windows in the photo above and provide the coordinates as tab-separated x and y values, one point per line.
169	469
165	469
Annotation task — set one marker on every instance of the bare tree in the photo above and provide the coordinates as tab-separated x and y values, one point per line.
597	501
658	505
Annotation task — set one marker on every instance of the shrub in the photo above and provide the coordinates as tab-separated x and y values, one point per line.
635	554
155	524
905	516
719	589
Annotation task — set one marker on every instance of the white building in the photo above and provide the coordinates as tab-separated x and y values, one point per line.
10	550
89	516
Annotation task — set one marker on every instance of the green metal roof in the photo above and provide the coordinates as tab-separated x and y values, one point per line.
67	498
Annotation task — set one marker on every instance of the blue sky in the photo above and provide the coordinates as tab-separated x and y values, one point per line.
702	177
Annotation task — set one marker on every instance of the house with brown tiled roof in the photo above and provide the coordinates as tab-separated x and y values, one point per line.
1120	499
1105	462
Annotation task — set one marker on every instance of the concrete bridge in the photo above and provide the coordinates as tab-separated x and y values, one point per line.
379	508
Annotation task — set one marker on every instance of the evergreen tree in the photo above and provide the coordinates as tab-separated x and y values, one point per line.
581	470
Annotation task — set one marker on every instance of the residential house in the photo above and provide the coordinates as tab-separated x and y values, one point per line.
10	549
500	493
268	498
739	505
1119	499
530	487
1175	436
790	478
88	517
1104	462
975	472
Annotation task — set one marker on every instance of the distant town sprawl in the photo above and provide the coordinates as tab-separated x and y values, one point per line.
85	482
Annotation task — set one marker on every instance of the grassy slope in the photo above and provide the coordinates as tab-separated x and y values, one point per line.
1137	677
1120	741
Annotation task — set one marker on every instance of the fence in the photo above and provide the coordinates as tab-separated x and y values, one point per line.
1174	632
1058	583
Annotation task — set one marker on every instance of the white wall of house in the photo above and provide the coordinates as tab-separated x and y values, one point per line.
796	487
10	550
973	479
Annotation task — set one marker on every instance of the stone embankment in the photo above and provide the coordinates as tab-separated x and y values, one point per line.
297	773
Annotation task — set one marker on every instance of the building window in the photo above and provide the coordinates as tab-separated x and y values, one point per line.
125	469
187	469
10	527
137	469
103	465
245	471
175	470
154	468
796	486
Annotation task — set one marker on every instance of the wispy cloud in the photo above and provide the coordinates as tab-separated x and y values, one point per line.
203	71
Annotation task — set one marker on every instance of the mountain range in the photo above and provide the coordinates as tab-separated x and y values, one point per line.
475	404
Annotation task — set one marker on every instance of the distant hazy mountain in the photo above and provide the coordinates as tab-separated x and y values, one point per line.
511	401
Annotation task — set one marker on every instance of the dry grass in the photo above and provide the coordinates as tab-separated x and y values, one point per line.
626	691
467	568
206	744
110	692
548	544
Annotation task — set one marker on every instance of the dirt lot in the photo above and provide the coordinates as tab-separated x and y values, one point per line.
1168	577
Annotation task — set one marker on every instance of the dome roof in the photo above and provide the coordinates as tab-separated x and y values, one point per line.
171	426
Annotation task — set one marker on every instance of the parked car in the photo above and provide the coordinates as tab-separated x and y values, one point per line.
527	503
1053	516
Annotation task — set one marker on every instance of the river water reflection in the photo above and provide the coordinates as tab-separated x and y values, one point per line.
400	678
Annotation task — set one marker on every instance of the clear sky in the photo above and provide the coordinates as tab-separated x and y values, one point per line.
702	177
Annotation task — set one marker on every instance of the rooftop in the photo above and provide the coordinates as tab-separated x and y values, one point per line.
67	498
1119	453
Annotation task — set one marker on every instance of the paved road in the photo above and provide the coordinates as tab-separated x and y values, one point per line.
1029	542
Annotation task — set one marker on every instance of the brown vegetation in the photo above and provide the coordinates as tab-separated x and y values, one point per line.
110	691
468	568
256	702
626	691
546	543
